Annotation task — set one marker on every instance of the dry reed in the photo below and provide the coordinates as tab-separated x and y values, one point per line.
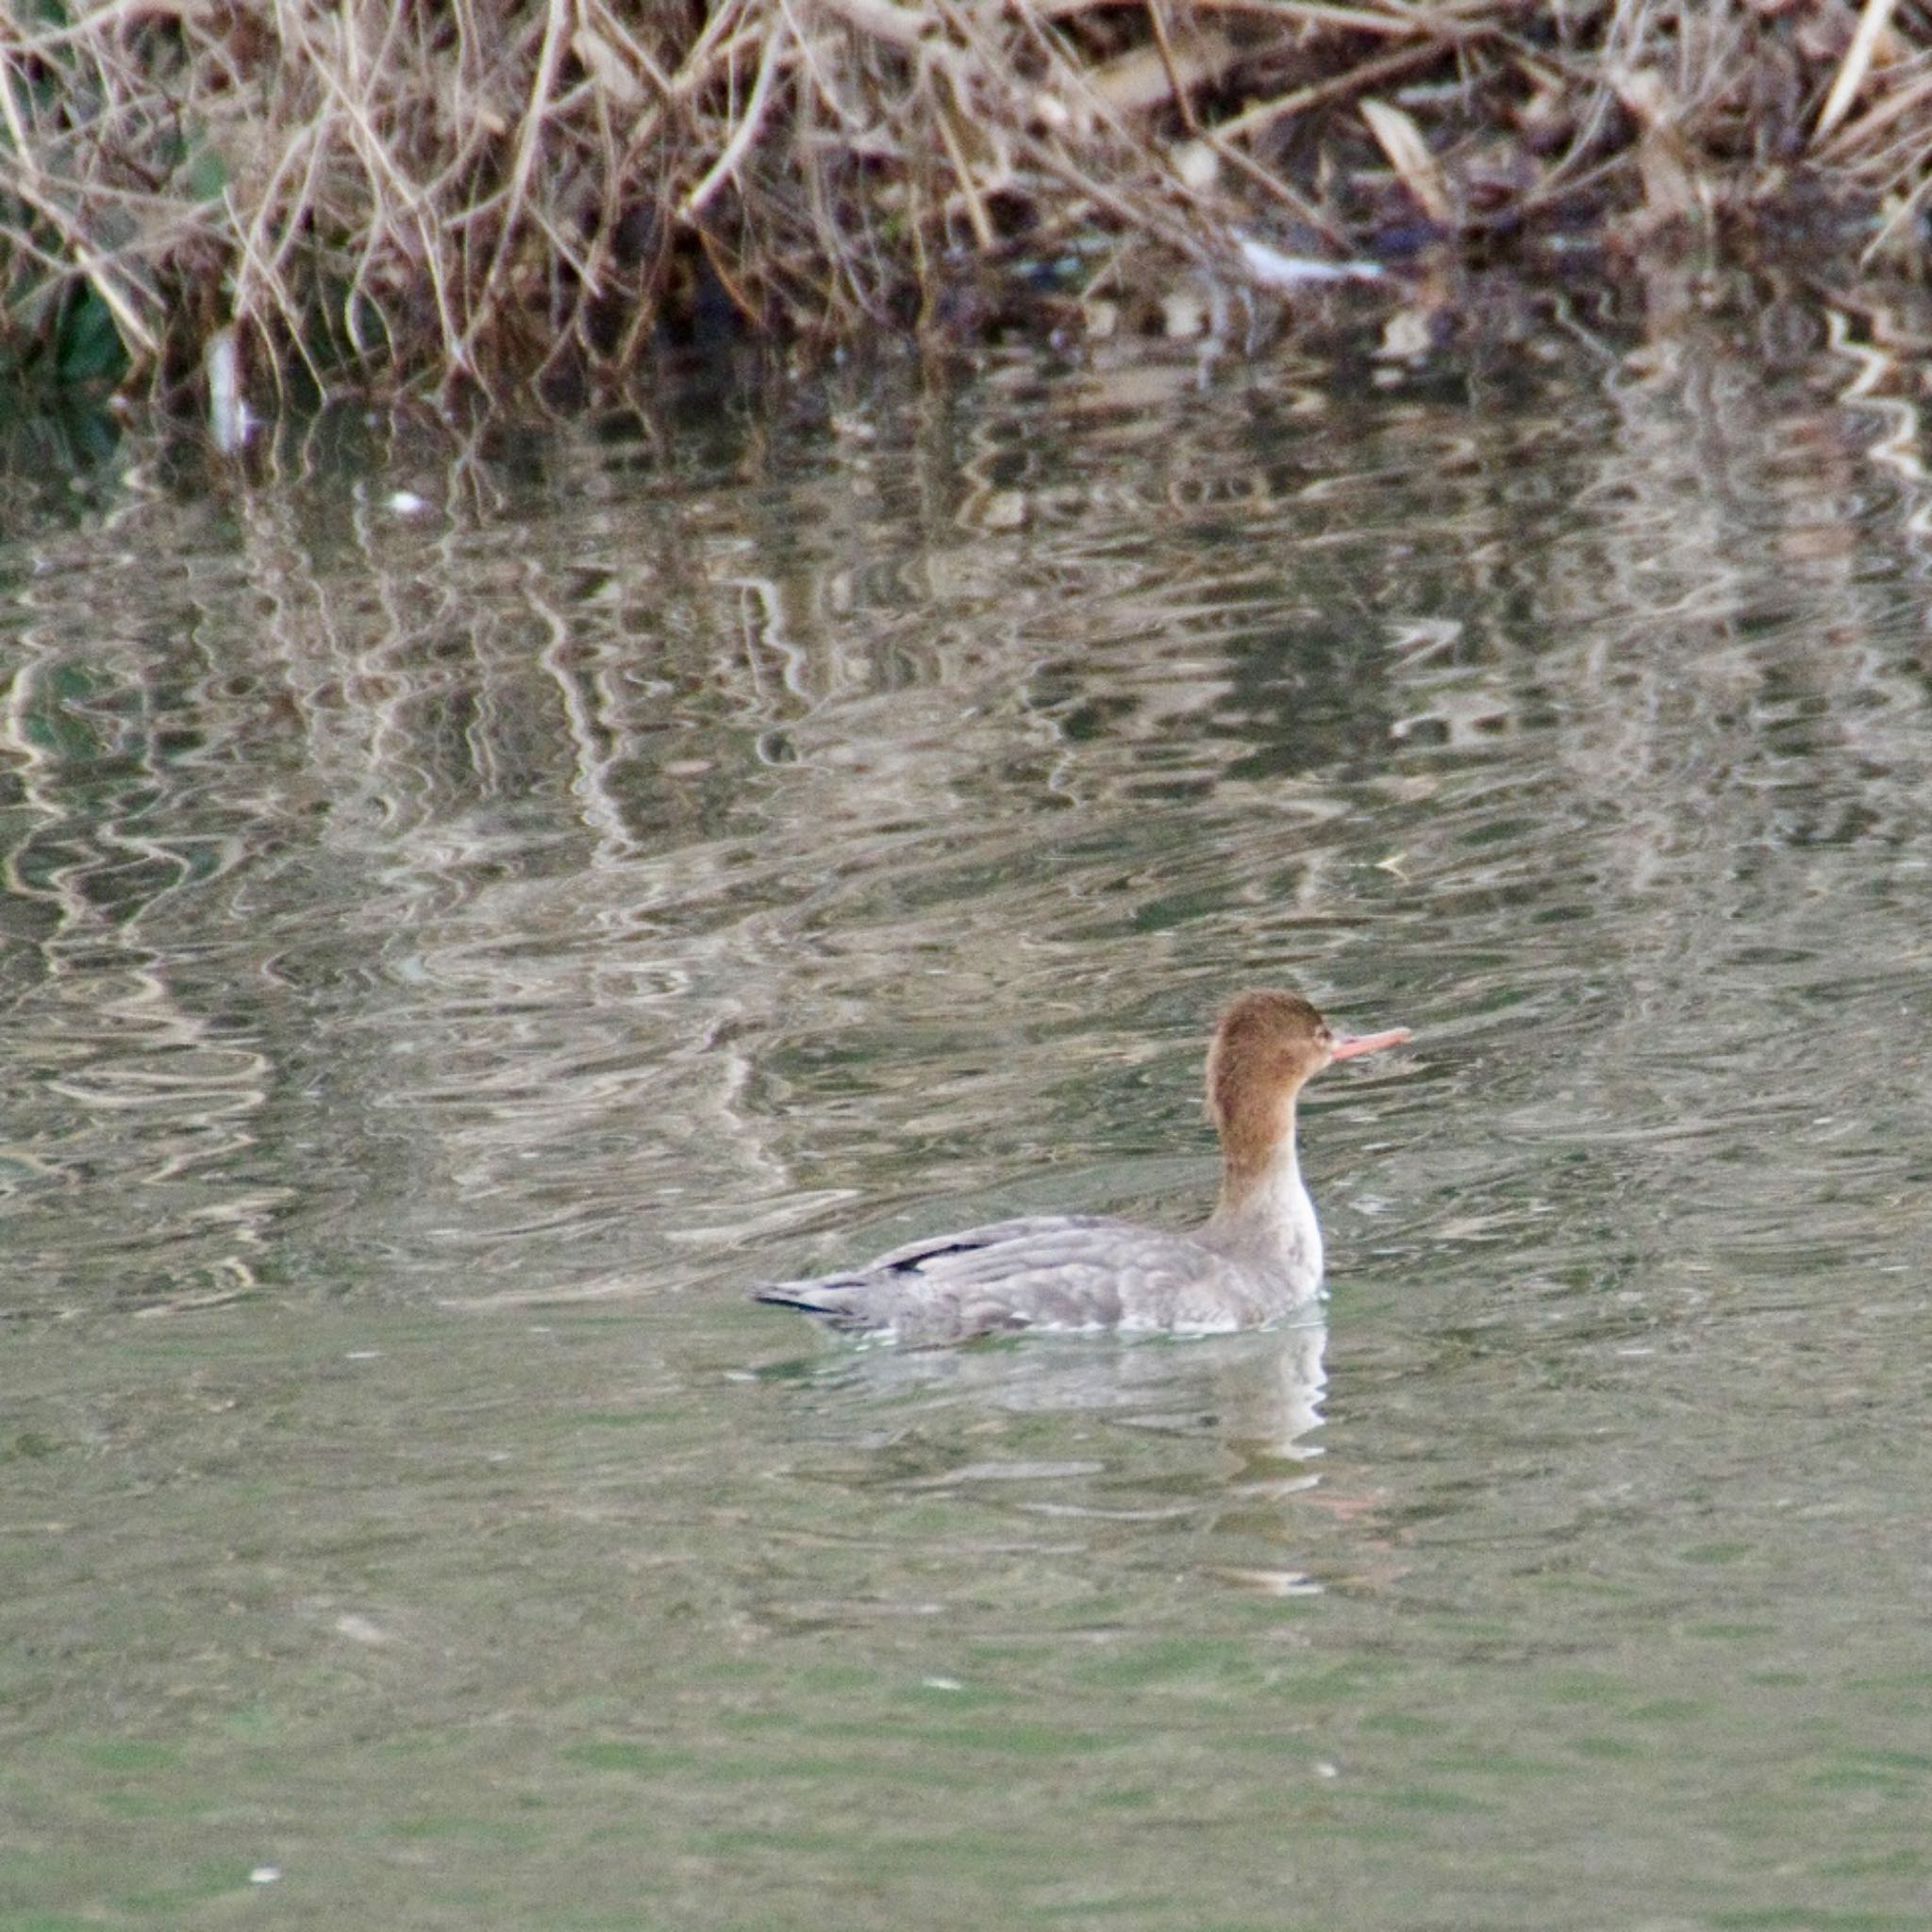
505	190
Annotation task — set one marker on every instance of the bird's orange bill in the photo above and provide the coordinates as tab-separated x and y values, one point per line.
1348	1045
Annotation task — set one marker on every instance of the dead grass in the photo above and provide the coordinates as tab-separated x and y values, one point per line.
508	189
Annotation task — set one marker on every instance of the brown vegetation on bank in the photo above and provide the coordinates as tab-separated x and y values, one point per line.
505	189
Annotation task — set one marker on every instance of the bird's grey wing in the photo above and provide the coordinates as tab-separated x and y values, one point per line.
1067	1272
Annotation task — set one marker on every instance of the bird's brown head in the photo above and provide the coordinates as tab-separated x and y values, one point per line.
1267	1047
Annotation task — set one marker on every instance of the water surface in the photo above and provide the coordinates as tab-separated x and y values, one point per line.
456	941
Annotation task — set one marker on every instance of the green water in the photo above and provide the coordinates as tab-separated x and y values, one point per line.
452	949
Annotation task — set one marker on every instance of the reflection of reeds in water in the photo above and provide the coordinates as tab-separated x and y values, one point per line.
632	874
126	1172
1713	892
1720	612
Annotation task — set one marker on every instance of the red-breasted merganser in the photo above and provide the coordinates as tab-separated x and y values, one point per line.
1258	1258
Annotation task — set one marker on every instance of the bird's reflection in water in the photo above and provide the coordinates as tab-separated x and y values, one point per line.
1259	1392
1215	1439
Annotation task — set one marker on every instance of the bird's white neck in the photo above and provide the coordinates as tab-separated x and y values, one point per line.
1265	1217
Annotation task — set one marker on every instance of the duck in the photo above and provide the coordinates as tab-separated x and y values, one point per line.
1257	1259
